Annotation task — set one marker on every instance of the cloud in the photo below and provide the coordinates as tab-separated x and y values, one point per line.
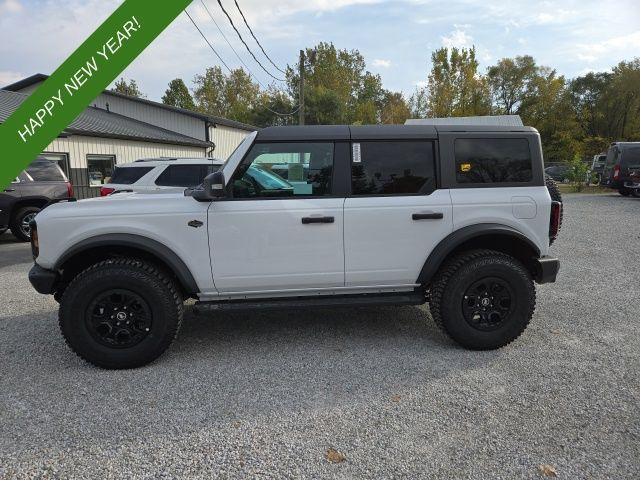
380	63
10	6
590	52
558	16
457	38
9	77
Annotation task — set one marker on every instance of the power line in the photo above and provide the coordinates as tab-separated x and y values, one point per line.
206	40
230	71
228	42
247	46
254	37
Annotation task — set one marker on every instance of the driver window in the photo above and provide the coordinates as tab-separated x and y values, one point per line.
282	170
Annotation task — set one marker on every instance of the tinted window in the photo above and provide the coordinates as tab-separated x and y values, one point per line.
386	168
493	160
183	175
630	157
129	175
285	170
45	171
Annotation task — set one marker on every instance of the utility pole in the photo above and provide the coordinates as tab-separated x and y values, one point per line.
301	98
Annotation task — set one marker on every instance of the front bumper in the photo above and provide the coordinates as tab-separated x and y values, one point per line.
43	280
546	269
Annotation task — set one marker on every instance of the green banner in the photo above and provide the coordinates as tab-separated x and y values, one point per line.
80	79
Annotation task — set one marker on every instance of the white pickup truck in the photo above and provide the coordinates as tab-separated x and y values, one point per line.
459	217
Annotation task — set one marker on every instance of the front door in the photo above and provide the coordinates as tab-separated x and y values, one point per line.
282	228
395	216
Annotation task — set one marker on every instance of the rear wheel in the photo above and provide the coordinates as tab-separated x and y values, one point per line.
120	313
483	299
20	223
625	192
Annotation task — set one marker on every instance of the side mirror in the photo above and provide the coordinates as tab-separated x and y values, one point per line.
212	187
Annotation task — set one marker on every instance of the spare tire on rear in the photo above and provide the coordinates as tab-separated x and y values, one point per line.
556	196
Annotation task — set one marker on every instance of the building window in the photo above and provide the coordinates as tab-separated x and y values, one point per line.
100	169
61	159
393	168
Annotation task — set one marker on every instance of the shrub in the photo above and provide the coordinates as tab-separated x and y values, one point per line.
577	173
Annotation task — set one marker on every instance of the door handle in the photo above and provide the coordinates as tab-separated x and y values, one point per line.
428	216
9	190
308	220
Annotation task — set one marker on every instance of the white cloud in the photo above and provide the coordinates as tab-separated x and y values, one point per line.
10	6
457	38
380	63
557	16
9	77
590	52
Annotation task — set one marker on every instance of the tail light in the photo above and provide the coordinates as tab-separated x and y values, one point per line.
69	189
616	172
104	191
554	223
35	244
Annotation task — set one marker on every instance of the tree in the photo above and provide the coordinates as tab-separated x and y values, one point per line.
177	95
454	87
130	89
509	81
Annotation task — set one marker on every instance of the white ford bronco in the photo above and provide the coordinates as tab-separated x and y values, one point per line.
459	217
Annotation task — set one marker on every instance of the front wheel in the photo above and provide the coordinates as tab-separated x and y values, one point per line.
120	313
483	299
20	224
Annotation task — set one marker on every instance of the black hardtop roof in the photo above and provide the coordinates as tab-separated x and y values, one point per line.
374	132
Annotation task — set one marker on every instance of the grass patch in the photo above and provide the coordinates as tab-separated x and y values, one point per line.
566	188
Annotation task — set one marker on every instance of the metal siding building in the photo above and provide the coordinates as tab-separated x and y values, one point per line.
121	129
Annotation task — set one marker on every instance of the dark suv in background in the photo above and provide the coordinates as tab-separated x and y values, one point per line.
41	184
621	166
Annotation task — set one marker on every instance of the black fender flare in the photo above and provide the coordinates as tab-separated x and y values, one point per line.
153	247
458	237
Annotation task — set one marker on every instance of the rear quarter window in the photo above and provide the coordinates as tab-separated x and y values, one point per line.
493	160
45	171
129	175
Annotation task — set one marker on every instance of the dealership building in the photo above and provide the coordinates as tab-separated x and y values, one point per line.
118	129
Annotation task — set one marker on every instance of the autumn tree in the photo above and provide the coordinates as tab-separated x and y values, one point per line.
510	81
177	95
128	88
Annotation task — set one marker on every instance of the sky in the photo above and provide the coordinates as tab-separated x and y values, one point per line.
396	37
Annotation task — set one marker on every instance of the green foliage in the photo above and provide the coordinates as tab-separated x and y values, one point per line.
131	88
577	173
177	95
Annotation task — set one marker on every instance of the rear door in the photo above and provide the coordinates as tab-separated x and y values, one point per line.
275	235
396	214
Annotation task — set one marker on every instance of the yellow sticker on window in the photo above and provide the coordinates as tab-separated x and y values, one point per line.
465	167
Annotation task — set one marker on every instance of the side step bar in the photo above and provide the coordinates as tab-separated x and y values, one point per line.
382	299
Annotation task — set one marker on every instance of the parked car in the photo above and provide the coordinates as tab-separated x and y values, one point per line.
597	167
623	158
560	173
160	175
394	215
42	183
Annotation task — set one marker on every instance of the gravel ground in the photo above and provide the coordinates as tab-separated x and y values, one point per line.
267	395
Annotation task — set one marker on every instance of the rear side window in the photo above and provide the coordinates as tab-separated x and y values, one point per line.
129	175
493	160
393	168
184	175
630	157
45	171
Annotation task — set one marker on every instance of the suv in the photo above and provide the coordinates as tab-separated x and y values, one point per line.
160	175
42	183
559	173
387	215
623	161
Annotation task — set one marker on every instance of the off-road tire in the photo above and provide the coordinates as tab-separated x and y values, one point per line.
556	196
625	192
636	193
16	223
458	274
145	280
2	230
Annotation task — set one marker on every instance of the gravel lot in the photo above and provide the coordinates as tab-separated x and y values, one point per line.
266	395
